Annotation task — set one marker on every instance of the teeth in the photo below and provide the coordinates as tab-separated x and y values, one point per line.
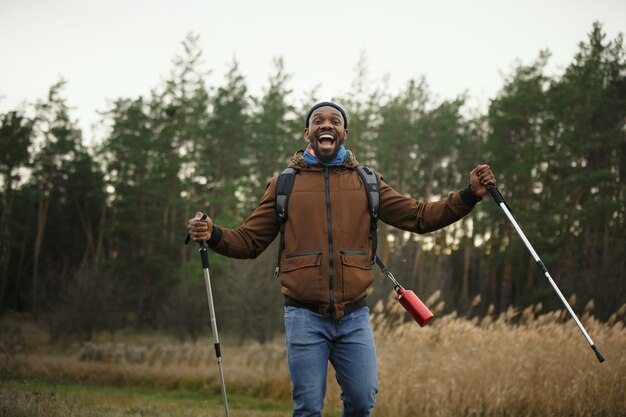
327	136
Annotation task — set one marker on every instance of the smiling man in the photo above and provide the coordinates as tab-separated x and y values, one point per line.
326	130
325	264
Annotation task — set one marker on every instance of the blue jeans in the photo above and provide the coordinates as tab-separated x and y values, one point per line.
348	343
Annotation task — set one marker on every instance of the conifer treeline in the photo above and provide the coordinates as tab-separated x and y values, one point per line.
92	235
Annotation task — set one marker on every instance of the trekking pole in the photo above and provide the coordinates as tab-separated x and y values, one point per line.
204	256
499	199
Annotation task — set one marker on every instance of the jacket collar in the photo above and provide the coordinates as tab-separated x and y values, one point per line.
298	162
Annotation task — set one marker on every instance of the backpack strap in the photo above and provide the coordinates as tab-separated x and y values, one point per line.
284	184
373	198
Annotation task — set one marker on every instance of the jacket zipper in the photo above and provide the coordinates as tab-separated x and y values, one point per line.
331	268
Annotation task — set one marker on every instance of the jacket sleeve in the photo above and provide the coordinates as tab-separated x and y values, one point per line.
407	213
254	235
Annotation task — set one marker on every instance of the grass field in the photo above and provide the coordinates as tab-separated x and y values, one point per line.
36	397
517	364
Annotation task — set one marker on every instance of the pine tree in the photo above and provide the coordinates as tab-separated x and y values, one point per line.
16	133
58	142
585	170
515	145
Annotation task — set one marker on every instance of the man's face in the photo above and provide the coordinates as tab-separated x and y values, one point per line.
326	132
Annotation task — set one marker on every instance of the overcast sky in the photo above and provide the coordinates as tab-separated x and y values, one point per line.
124	48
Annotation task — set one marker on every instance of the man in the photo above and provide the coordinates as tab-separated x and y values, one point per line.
325	265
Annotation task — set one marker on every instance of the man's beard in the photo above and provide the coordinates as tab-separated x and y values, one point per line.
326	158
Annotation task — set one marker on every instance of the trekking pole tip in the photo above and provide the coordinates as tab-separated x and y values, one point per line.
598	354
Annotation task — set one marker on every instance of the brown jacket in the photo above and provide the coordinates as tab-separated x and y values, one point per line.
330	270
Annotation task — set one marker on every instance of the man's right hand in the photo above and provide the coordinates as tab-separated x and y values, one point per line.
198	229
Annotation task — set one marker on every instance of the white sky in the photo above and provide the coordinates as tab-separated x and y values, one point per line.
124	48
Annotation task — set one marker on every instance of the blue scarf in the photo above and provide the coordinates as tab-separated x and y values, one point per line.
311	159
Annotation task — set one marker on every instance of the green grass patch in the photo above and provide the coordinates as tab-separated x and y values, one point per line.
46	398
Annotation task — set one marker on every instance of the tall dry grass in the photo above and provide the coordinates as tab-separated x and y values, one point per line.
517	364
520	363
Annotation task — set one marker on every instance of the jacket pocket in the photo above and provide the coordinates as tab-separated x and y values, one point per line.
301	275
357	276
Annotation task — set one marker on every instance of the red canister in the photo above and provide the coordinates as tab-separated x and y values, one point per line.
414	306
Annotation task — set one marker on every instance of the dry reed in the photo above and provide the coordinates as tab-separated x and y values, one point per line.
520	363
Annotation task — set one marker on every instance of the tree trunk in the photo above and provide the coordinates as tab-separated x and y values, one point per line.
18	277
42	215
99	256
507	285
493	286
530	277
85	222
5	233
467	260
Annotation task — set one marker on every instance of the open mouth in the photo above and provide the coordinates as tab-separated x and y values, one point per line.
326	141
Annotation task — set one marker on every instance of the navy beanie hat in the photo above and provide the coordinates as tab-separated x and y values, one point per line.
323	104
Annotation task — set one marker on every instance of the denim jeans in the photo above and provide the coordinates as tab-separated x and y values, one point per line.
348	343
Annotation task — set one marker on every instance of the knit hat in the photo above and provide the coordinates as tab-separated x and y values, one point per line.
326	103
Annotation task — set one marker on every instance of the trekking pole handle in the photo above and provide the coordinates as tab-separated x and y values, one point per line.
204	217
495	194
204	248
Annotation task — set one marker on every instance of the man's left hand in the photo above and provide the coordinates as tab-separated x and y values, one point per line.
480	178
